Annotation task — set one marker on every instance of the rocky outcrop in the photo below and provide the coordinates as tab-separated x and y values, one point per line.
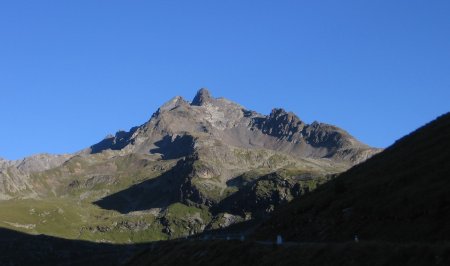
281	125
262	195
202	97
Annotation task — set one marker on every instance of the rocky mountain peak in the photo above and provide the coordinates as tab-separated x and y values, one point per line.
281	124
203	96
279	114
173	103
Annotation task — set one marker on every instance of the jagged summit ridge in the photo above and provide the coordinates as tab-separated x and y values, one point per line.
220	121
282	124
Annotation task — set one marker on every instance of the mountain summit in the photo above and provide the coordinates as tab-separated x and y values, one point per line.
208	120
203	96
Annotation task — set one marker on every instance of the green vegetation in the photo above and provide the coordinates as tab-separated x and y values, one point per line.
63	218
68	209
181	220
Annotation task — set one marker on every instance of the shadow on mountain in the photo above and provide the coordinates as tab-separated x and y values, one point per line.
243	200
23	249
17	248
262	195
174	148
117	142
158	192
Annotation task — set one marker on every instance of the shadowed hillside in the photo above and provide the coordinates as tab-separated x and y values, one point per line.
237	253
23	249
401	194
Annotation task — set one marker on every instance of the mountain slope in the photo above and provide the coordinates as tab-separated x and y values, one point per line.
401	194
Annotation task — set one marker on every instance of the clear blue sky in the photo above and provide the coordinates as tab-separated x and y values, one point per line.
73	71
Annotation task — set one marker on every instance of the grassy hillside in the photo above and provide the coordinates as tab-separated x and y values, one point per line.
137	198
84	221
401	194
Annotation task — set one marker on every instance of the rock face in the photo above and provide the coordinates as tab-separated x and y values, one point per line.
193	166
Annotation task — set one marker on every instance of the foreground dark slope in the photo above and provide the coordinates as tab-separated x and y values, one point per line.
230	253
401	194
17	248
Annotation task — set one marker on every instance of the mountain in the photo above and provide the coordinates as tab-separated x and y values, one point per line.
399	195
194	166
397	204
